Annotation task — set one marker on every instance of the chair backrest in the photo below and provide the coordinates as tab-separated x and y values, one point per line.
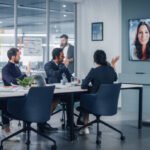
107	99
37	107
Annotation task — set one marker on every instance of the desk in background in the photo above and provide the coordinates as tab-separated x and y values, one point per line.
140	105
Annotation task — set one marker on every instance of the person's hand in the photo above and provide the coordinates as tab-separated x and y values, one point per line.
66	61
28	70
114	61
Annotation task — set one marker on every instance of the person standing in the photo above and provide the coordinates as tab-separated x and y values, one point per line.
68	50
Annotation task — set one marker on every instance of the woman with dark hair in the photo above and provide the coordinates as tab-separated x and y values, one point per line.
142	41
101	74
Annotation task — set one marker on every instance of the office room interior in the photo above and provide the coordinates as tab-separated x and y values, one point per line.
35	30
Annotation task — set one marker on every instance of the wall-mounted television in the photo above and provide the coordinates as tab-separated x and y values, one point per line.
139	39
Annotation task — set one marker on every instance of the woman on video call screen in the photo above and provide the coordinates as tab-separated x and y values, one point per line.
139	39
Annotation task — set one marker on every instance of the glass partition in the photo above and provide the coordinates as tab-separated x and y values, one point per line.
62	21
31	29
6	30
32	32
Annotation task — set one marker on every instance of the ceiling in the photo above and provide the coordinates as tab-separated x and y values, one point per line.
33	13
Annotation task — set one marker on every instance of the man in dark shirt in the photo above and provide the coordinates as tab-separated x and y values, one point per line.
10	74
55	69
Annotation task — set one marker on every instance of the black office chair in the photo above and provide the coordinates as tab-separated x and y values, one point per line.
40	81
1	124
34	108
103	103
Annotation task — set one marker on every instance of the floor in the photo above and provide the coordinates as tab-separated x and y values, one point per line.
135	139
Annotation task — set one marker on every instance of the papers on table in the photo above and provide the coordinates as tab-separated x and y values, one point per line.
13	89
7	89
61	86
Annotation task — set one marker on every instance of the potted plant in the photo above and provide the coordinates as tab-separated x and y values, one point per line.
26	82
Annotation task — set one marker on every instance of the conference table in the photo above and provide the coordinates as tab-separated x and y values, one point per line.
17	91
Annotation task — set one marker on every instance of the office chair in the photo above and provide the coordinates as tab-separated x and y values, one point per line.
40	81
1	124
103	103
33	108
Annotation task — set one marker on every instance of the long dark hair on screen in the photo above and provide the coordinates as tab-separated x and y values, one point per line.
138	45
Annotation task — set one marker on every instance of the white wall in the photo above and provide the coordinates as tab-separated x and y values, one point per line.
107	11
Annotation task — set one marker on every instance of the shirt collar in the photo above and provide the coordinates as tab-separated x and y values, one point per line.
11	63
55	63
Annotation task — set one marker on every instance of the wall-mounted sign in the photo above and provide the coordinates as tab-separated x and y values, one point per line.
32	46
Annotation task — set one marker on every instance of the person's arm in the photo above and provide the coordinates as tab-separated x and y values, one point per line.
68	75
66	71
22	76
50	71
87	80
9	78
115	76
70	60
114	61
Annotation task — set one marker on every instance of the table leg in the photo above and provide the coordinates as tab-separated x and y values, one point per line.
140	108
72	134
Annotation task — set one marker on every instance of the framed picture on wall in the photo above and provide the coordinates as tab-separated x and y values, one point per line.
97	31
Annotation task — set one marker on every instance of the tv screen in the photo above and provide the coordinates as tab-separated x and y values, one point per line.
139	39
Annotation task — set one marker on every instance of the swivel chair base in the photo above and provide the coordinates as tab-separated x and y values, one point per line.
27	130
98	136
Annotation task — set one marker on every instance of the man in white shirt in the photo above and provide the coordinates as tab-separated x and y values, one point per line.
68	50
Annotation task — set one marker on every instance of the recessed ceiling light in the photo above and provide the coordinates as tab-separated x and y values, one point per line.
55	26
65	15
1	22
64	6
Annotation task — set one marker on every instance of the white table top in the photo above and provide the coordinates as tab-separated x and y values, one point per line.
124	86
19	91
16	91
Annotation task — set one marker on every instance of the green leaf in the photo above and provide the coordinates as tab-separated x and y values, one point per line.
27	81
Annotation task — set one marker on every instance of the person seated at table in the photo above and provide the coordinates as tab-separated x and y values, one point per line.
55	69
102	73
10	74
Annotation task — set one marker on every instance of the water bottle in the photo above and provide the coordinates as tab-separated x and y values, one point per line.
64	79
